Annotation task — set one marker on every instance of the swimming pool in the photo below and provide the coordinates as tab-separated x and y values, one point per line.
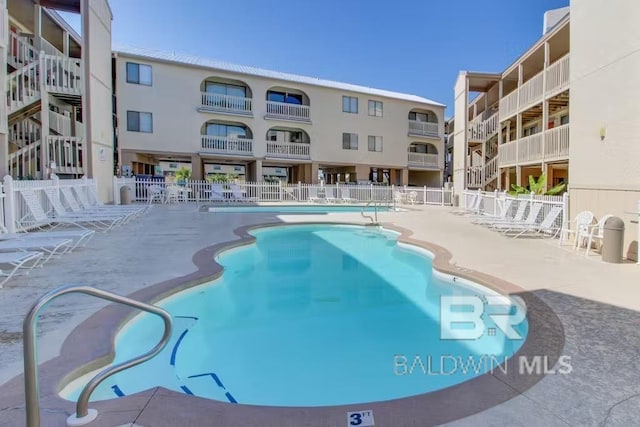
299	209
312	315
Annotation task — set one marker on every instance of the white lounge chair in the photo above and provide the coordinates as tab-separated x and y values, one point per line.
17	260
313	196
546	228
501	216
596	232
75	207
517	217
79	235
531	219
330	195
345	196
49	246
92	201
101	221
217	193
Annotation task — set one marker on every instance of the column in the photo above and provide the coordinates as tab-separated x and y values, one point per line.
314	173
196	167
404	174
37	26
45	161
518	175
65	43
545	104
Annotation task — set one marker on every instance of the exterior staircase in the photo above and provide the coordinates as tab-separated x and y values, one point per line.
485	172
36	76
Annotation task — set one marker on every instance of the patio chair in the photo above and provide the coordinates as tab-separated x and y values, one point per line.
399	197
101	221
547	227
412	197
580	228
155	192
596	232
217	193
313	196
330	195
345	196
531	219
238	194
17	260
501	216
172	194
75	207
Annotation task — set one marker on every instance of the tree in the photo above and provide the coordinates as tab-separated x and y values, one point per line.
538	186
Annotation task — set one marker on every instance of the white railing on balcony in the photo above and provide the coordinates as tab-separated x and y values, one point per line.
424	160
24	162
20	51
556	143
24	132
48	48
23	87
62	74
423	128
507	153
509	105
60	123
226	145
491	126
79	129
530	148
66	152
288	150
474	177
450	141
558	75
475	129
490	171
288	111
531	91
225	103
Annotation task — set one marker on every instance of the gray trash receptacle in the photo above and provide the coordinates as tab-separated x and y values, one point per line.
613	240
125	195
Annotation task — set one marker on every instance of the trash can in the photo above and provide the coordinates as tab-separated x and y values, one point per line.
613	240
125	195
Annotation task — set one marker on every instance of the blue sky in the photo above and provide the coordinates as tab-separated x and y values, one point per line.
413	46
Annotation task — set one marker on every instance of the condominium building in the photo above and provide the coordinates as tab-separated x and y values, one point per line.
54	87
178	111
515	124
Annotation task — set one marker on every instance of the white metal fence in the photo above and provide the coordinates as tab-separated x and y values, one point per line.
201	192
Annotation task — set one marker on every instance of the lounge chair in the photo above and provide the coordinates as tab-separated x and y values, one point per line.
596	232
79	235
17	260
313	196
501	216
517	217
238	194
101	221
217	193
75	207
547	227
531	219
330	195
92	201
345	196
49	246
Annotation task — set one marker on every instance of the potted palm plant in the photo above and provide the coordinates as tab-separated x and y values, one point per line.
183	175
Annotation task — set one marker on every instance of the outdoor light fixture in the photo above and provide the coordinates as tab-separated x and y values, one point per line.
603	133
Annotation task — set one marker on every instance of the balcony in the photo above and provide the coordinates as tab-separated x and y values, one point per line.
423	160
227	104
418	128
558	76
535	149
212	144
288	150
480	130
287	111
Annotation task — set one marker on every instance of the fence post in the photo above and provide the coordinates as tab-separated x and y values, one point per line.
371	192
565	216
299	191
495	202
56	184
442	204
116	193
10	205
280	190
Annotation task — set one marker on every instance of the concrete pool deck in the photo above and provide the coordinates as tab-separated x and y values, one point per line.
598	305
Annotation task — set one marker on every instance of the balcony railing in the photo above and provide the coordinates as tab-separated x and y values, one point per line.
481	130
423	160
288	150
286	111
225	103
531	91
558	75
226	145
67	153
423	128
62	74
556	143
530	148
533	149
507	154
509	105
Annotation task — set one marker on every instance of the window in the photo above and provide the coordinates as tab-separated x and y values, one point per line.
419	117
350	104
215	129
375	108
284	136
350	141
375	143
531	130
564	120
139	122
225	89
138	73
287	98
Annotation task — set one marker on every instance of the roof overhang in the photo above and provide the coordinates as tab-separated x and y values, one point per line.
481	82
64	5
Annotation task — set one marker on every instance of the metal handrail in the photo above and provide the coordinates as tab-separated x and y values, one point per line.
31	368
375	211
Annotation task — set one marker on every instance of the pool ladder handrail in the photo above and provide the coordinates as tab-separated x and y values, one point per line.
83	414
375	204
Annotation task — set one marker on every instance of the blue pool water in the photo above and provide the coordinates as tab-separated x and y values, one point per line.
311	315
301	209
